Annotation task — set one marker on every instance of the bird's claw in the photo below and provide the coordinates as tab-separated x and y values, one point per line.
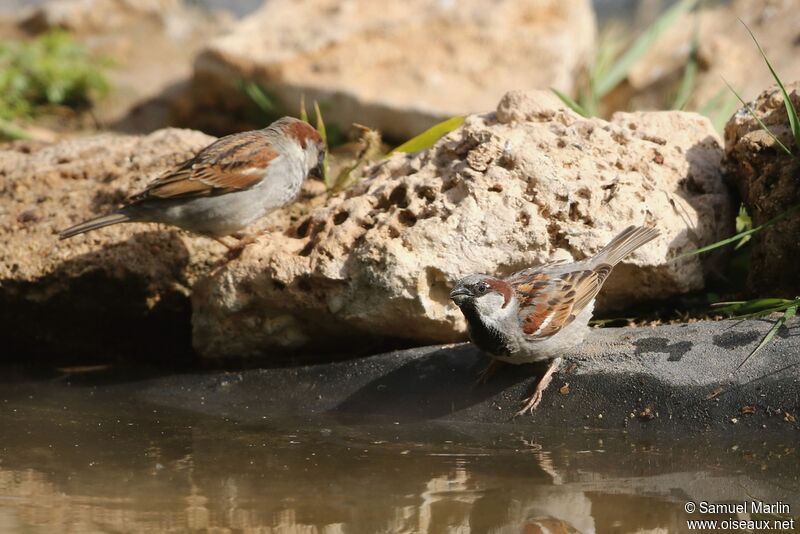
531	403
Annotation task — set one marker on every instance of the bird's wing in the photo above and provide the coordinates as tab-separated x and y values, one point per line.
550	299
233	163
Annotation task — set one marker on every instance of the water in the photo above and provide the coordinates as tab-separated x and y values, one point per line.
99	456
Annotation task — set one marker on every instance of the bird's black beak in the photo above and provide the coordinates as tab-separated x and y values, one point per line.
318	172
459	295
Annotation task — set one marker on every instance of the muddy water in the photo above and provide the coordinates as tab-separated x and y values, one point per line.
95	455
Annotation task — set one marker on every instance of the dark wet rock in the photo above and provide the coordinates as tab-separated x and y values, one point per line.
675	377
767	179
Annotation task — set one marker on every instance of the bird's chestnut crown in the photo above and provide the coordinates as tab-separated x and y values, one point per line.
309	139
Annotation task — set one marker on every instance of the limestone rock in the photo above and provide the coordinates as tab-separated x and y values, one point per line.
531	182
767	179
120	291
398	66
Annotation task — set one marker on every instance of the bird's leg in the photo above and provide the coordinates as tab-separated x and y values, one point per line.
235	250
223	243
488	372
532	402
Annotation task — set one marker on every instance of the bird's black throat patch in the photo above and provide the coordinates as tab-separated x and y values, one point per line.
487	338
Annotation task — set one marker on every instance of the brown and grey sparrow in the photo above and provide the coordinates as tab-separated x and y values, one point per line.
541	312
228	185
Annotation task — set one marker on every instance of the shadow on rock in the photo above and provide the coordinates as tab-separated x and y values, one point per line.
676	351
122	301
435	385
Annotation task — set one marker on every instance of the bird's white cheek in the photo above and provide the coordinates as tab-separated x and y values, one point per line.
491	306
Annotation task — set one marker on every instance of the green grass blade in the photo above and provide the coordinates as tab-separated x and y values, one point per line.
791	112
429	137
11	132
257	95
759	121
303	112
755	307
719	108
743	223
571	104
686	88
788	314
778	218
619	71
323	132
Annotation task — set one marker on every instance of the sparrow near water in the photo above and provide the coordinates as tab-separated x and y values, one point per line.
539	313
228	185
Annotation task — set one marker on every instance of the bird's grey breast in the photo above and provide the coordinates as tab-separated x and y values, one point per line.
282	182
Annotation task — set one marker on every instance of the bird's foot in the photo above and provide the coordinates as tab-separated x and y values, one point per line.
531	403
235	250
488	372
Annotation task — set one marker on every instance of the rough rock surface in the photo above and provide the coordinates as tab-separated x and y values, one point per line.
767	179
725	52
531	182
120	291
398	67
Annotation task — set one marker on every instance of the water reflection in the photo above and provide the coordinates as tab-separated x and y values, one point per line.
82	463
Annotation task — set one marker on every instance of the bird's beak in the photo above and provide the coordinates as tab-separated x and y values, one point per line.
459	295
318	172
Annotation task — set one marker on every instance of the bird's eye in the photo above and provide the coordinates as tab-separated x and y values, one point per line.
482	288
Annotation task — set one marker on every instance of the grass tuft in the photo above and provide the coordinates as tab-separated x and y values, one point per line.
51	70
607	81
610	67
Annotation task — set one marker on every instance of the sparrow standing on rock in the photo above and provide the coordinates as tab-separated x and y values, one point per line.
228	185
538	313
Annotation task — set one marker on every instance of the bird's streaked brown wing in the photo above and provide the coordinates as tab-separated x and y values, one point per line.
549	301
232	163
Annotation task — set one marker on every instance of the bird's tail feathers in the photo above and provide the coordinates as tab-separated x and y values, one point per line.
626	242
94	224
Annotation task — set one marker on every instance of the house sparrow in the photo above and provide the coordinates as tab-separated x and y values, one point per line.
228	185
538	313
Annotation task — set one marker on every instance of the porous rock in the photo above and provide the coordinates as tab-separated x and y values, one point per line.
120	291
531	182
396	66
767	179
